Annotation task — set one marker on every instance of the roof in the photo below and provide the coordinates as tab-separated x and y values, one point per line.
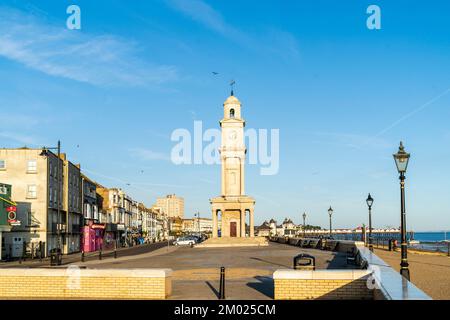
232	100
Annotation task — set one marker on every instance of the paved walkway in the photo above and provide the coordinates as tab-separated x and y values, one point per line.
248	269
196	273
429	272
91	257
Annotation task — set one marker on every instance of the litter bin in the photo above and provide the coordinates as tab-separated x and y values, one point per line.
55	257
304	262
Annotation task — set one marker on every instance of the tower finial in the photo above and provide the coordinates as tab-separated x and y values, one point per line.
232	83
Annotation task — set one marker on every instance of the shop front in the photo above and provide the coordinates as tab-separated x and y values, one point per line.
110	236
93	235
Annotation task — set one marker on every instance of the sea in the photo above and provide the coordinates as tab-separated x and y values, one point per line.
431	241
428	241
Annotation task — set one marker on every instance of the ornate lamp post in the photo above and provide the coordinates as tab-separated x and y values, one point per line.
304	224
401	160
369	202
330	213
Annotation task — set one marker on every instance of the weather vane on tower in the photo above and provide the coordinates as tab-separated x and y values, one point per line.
232	83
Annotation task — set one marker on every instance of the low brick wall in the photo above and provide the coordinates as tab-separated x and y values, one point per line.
322	284
85	284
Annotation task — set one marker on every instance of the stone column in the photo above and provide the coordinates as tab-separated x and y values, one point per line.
215	227
252	224
223	182
242	182
243	223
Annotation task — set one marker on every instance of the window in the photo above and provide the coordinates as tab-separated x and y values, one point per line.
32	219
51	195
232	113
2	164
32	166
31	191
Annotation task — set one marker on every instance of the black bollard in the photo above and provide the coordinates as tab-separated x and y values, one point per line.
100	254
82	256
222	284
41	250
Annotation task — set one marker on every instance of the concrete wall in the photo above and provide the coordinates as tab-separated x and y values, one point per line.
85	284
322	284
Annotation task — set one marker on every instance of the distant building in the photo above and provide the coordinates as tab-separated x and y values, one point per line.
149	218
289	228
263	230
171	205
176	226
197	225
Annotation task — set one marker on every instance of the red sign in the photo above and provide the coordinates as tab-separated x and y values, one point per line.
11	209
11	216
98	226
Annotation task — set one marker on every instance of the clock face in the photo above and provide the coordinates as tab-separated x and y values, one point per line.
233	135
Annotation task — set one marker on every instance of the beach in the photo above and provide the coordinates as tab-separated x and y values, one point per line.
429	271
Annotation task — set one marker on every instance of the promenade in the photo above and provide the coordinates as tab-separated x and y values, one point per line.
122	253
430	272
248	269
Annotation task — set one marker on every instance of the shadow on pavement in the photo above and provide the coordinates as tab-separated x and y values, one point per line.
270	262
216	292
264	286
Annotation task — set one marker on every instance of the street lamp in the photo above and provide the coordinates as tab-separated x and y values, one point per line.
401	160
369	202
44	153
330	213
304	224
167	227
197	215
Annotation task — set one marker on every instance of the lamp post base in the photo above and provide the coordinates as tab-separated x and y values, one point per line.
404	271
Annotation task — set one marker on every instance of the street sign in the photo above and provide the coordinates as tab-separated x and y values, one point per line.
12	217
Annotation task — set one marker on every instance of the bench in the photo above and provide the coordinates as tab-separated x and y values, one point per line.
314	243
329	245
304	243
352	256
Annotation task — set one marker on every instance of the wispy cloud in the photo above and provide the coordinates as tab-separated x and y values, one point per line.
28	140
206	15
356	141
275	41
408	115
105	60
146	154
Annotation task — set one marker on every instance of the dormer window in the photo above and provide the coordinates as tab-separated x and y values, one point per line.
231	113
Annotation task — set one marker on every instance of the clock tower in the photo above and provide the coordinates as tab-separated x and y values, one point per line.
233	205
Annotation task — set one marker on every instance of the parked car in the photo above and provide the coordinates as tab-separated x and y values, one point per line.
185	241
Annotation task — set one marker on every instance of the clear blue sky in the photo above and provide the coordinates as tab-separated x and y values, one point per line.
342	96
